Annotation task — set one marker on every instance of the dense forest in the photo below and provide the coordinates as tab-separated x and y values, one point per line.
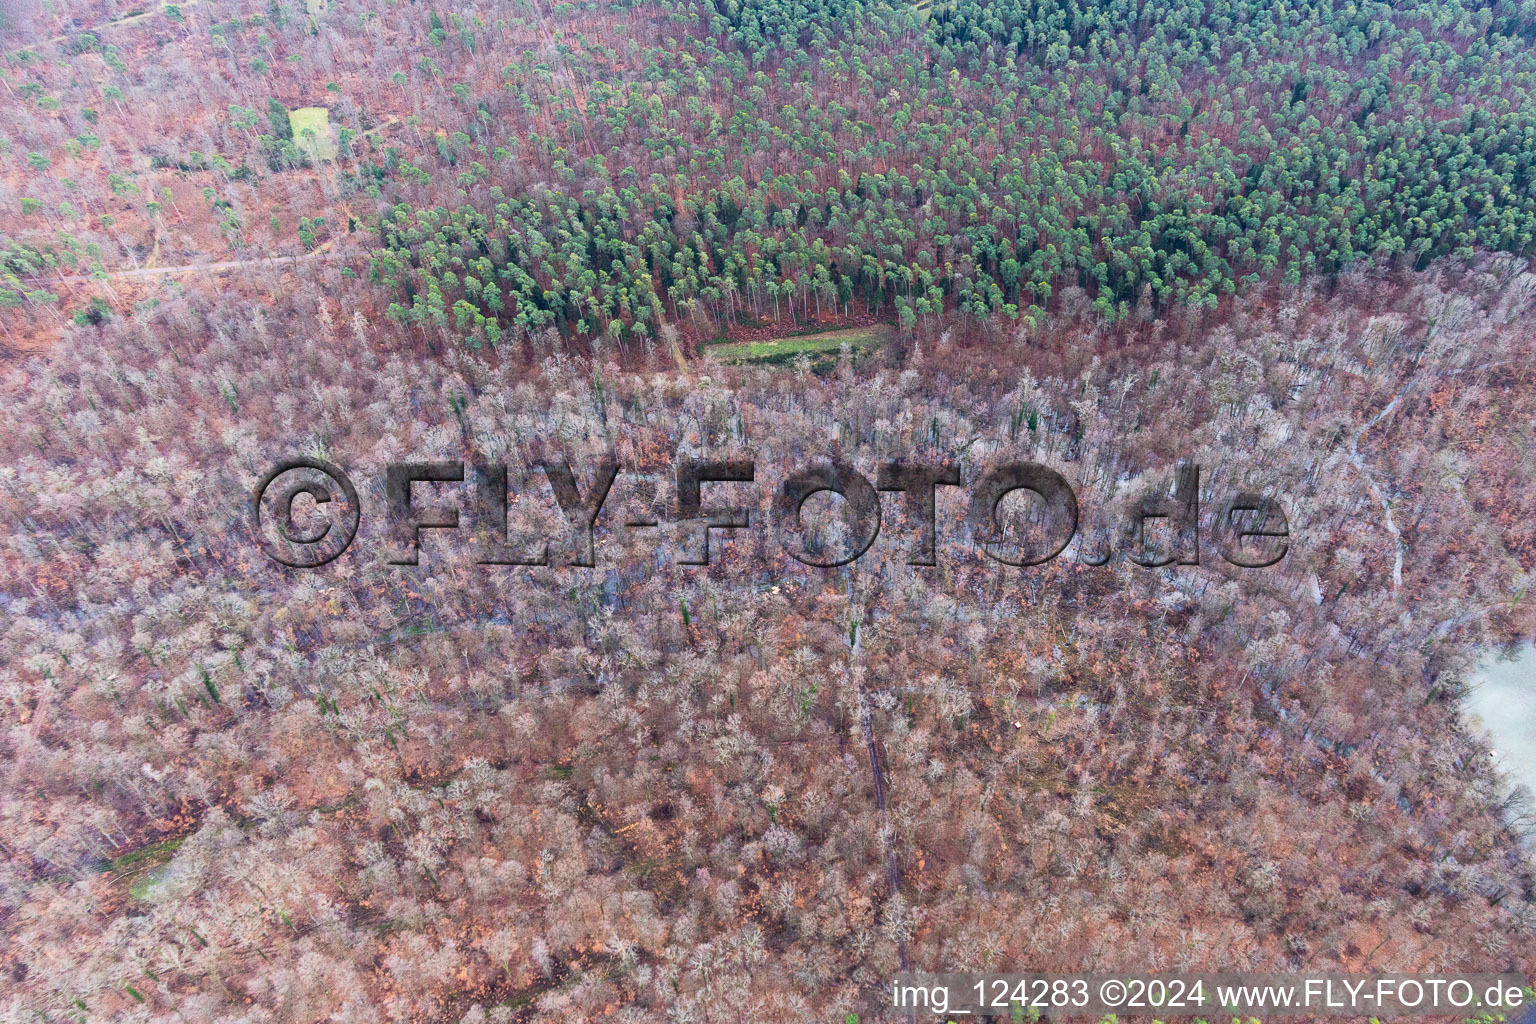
1288	242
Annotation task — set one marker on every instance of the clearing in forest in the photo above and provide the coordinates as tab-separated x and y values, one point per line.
783	349
312	131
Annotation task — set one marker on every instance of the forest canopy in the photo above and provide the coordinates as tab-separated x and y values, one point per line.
1166	153
1288	242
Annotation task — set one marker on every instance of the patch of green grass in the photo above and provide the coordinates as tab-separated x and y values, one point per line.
139	889
142	867
781	350
144	857
312	131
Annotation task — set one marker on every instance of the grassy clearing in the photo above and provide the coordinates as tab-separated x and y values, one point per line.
141	868
312	130
781	350
142	887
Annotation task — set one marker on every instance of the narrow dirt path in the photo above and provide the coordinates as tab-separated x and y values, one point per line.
209	268
1376	492
867	720
127	19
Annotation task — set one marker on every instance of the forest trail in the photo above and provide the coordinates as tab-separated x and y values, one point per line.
210	268
1381	499
872	749
127	19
